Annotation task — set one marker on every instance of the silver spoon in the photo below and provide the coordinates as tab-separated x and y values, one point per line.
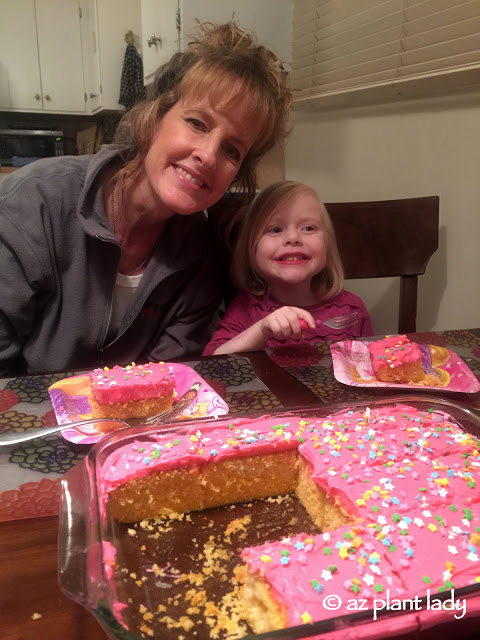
24	436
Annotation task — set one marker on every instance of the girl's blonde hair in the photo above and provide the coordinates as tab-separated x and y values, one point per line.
227	65
327	283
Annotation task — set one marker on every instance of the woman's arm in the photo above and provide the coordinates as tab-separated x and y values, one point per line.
16	310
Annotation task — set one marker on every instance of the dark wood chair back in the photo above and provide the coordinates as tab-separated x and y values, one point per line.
388	238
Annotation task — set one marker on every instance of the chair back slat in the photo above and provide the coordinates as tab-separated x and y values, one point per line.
386	238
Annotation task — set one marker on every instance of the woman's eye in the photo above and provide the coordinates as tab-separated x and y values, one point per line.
232	152
197	124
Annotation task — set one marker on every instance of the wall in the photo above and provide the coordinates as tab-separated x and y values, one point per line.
271	20
416	148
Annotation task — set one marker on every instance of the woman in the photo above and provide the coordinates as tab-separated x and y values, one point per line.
105	259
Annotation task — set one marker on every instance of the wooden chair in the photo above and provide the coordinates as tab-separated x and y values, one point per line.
376	240
388	238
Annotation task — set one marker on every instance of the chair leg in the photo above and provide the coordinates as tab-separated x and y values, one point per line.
407	313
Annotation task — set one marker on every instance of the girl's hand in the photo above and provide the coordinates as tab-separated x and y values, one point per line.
286	322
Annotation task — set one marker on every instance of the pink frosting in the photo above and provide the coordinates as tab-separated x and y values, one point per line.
133	382
237	438
108	552
393	352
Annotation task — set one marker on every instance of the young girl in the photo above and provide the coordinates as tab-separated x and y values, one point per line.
287	266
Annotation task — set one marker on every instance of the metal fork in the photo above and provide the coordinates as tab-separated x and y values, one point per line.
340	322
17	437
24	436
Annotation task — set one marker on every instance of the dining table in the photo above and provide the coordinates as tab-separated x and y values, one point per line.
32	604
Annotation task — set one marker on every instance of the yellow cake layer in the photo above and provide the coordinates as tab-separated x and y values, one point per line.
408	372
133	409
211	484
325	512
265	612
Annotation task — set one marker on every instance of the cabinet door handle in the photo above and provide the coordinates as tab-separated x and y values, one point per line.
37	96
47	97
154	40
94	95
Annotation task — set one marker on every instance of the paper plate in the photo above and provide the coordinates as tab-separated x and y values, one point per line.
352	366
70	401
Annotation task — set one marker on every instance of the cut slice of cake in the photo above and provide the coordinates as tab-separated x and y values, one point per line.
396	359
134	391
308	578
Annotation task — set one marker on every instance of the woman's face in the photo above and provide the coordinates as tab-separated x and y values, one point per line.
196	152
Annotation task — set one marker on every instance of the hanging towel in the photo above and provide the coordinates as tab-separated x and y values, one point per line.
132	88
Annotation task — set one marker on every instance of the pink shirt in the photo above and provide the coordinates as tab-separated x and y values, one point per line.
246	310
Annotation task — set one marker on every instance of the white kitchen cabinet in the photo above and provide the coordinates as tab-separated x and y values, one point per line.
60	53
160	35
41	56
90	55
20	85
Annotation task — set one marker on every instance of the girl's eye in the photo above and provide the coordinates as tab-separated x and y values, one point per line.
276	230
309	227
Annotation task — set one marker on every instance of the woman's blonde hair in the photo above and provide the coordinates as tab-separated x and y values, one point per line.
221	61
327	283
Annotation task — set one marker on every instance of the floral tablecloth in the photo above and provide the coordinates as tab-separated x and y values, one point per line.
30	473
312	365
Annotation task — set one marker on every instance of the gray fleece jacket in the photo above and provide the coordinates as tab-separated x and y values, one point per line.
58	264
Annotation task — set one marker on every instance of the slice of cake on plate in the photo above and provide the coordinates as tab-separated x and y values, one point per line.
396	359
134	391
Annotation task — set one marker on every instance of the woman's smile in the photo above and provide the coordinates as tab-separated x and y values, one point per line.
189	177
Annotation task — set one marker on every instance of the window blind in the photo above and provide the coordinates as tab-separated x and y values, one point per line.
344	50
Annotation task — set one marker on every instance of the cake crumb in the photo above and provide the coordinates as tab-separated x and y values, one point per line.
239	524
36	616
184	623
146	630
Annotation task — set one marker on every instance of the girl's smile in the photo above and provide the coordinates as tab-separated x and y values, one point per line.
291	258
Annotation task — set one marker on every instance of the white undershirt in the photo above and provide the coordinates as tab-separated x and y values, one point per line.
123	292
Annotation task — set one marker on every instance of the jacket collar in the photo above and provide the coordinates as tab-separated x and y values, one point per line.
182	242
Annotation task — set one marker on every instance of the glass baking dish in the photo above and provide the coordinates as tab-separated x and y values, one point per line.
121	572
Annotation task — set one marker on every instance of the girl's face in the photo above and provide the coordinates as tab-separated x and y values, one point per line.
292	247
196	152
